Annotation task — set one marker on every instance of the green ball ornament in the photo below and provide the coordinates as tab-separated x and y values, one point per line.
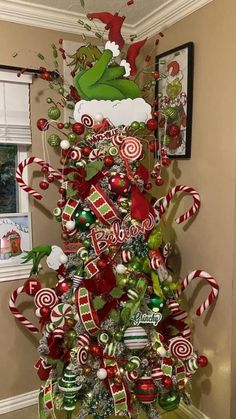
156	303
87	243
61	90
132	282
118	335
54	113
72	137
155	238
135	265
130	366
142	126
169	401
54	140
171	112
71	334
49	100
84	218
121	281
67	125
166	290
135	125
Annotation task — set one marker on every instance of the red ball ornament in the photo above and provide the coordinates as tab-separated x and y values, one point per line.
167	382
42	124
153	175
111	372
153	146
165	161
163	152
62	287
202	361
62	191
173	130
148	186
159	181
32	286
145	390
108	161
156	75
152	124
45	311
45	169
60	125
61	203
102	264
86	150
119	184
43	185
95	350
50	178
78	128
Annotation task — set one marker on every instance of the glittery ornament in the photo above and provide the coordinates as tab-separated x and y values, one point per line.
83	218
145	390
120	184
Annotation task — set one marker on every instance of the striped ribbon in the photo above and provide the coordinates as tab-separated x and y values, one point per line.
102	206
87	315
118	391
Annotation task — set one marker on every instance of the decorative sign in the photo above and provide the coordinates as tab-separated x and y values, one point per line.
118	233
107	135
144	318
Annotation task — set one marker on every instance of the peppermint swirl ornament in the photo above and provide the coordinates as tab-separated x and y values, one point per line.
131	149
82	356
46	297
60	313
87	120
181	348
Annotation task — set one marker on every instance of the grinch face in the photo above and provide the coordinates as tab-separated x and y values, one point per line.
174	88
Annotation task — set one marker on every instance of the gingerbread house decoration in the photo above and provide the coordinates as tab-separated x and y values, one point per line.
10	245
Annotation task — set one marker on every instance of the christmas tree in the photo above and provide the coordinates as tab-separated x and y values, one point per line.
115	339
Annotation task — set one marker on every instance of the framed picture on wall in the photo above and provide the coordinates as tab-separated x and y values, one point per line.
15	238
174	94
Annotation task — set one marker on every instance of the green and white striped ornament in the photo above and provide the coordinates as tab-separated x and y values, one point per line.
132	294
135	338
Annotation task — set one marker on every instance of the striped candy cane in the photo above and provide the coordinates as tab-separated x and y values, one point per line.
19	175
14	310
211	281
162	205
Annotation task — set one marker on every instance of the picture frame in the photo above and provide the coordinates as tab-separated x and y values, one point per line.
174	93
15	240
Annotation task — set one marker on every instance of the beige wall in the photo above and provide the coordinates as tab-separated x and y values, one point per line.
207	243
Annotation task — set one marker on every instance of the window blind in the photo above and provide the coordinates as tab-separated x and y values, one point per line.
14	108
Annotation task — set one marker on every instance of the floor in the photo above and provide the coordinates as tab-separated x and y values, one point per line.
31	413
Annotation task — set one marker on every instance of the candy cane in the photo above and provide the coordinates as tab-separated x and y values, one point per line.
19	173
163	205
17	314
211	281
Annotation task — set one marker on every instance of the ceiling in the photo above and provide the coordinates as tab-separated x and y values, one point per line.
133	13
144	17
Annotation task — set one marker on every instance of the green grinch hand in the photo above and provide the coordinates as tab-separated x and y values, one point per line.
106	81
36	254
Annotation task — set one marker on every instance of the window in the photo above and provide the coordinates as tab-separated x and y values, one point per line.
15	138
